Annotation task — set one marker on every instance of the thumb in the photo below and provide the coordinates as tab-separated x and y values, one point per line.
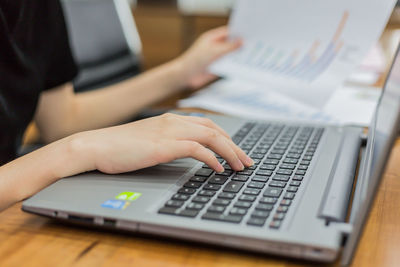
228	46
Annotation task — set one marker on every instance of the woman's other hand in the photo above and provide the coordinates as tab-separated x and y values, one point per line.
210	46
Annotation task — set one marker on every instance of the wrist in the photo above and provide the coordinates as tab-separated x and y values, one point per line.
183	70
77	156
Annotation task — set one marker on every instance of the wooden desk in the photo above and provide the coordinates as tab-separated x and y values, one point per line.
29	240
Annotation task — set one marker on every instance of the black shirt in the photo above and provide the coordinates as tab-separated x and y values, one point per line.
34	56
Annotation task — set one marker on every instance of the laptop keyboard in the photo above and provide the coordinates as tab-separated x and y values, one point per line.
260	195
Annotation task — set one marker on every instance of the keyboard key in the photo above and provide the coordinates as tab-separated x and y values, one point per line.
181	197
253	167
214	187
282	209
260	214
187	191
174	203
251	191
247	198
245	172
274	156
298	178
257	185
167	210
292	189
258	178
271	161
204	172
286	202
238	211
233	187
264	172
225	195
305	162
277	184
221	202
200	199
226	173
240	178
281	177
290	161
307	158
217	179
217	209
268	200
206	193
257	156
227	166
300	172
272	192
278	151
293	156
289	195
287	166
296	151
295	183
284	172
275	224
302	167
279	216
268	167
256	161
199	179
195	206
260	150
242	204
256	221
192	185
188	213
264	207
221	217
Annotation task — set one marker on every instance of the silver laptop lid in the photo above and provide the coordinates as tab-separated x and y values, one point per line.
382	134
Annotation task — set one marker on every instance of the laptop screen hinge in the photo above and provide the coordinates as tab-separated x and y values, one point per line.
337	194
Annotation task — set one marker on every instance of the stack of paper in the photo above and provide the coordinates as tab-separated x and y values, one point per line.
348	105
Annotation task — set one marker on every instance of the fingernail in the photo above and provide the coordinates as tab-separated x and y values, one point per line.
239	165
249	161
220	168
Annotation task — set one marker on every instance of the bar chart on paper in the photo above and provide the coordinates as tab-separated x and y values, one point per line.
302	65
302	49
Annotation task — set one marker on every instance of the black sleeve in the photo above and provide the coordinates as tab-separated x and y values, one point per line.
61	67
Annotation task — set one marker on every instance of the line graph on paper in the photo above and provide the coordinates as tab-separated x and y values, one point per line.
301	64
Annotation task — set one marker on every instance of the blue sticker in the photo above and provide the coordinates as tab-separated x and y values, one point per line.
115	204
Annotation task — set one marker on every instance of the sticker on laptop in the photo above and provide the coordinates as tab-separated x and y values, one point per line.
121	201
115	204
128	196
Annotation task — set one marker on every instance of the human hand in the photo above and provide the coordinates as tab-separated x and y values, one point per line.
158	140
207	48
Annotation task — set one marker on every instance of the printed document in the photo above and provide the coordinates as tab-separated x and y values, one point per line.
301	49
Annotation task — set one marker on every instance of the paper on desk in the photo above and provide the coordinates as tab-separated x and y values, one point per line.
349	105
305	49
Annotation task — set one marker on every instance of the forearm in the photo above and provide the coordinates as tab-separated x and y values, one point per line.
25	176
120	102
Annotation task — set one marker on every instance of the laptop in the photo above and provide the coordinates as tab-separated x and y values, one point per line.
308	195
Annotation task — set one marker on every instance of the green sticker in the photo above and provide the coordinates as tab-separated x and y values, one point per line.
129	196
